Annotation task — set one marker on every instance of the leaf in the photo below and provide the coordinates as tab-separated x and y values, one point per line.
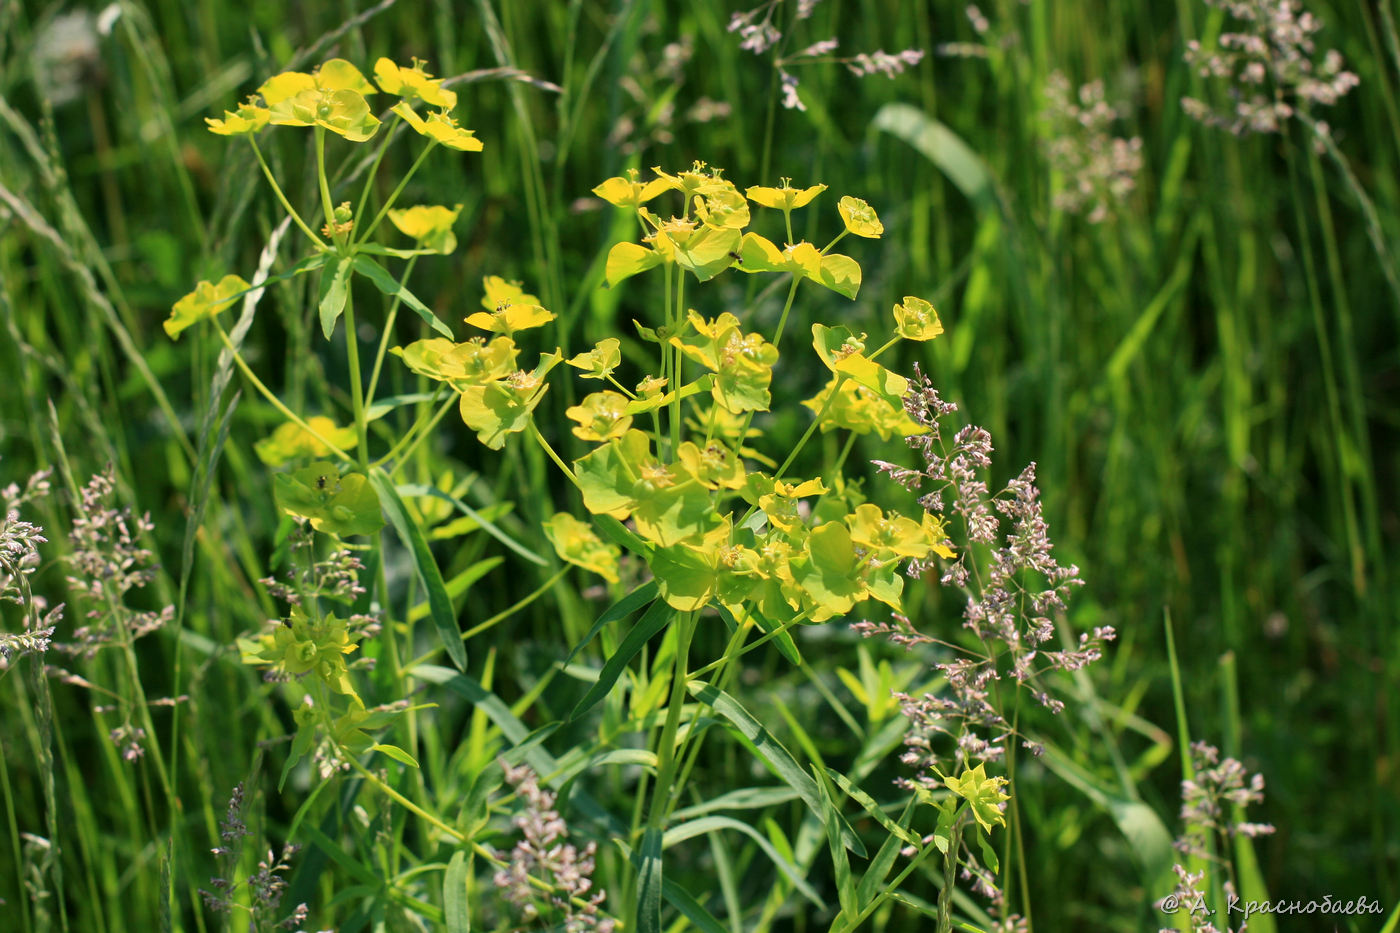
873	809
621	609
710	824
773	754
396	753
845	885
334	504
335	289
415	489
439	603
651	622
628	259
941	146
841	274
649	882
457	914
390	286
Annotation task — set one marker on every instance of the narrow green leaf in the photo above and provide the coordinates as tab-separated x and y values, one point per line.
649	882
419	489
710	824
459	585
335	289
454	894
396	753
439	603
880	865
651	622
390	286
749	798
773	753
845	884
872	809
621	609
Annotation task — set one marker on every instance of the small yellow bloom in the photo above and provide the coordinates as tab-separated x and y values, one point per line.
413	83
601	417
599	362
629	192
249	118
429	226
499	292
291	441
860	218
916	319
206	300
784	198
441	127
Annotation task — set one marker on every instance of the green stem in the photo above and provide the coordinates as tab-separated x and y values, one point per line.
394	196
357	391
325	187
388	331
415	436
662	793
273	400
282	198
558	461
507	613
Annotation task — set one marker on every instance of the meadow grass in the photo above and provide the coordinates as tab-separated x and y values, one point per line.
1205	379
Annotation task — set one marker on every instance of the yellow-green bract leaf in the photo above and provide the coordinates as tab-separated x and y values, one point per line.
440	127
784	198
983	794
335	289
599	362
474	362
689	574
916	319
706	251
840	273
249	118
429	226
503	407
860	218
507	319
723	207
335	504
411	83
498	291
607	475
284	86
759	254
343	111
860	410
577	543
339	75
843	353
206	300
291	441
601	416
629	192
396	753
828	571
626	260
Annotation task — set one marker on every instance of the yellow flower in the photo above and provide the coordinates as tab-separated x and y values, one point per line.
291	441
411	83
499	292
206	300
508	308
430	226
601	417
332	98
249	118
441	127
576	542
917	319
860	218
629	192
784	198
599	362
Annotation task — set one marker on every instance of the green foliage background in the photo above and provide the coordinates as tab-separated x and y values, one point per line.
1208	382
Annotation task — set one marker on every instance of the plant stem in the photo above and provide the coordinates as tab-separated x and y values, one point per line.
282	198
273	400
